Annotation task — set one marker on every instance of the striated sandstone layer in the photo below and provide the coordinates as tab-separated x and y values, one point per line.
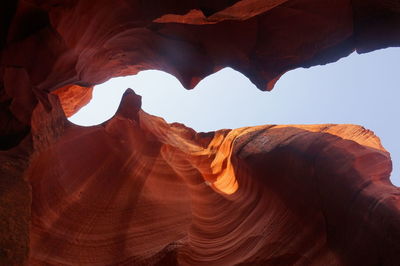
138	191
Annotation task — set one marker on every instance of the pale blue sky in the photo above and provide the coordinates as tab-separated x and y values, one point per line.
359	89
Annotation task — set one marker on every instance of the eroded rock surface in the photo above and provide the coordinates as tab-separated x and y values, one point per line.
136	190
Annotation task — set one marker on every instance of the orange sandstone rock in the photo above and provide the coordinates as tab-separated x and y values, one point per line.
73	97
138	191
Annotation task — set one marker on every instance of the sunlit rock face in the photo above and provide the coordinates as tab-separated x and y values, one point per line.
138	191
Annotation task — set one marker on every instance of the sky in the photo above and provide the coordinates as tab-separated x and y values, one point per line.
359	89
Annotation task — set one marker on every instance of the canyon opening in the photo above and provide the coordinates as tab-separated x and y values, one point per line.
227	99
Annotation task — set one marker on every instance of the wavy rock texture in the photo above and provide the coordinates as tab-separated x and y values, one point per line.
136	190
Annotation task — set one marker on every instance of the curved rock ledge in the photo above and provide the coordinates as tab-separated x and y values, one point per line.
136	190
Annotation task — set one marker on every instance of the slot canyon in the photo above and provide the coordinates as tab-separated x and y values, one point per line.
136	190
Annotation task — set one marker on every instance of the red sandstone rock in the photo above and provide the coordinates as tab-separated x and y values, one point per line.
73	97
136	190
